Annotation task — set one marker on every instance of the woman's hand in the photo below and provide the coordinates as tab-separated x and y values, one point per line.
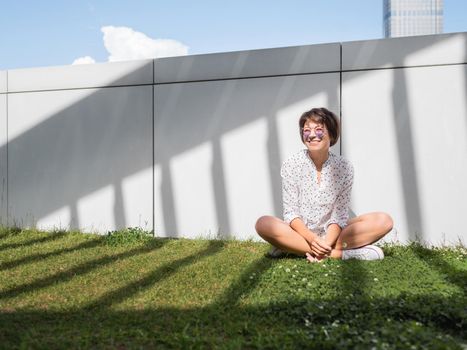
319	247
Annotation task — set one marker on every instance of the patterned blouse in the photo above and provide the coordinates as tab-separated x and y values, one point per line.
317	204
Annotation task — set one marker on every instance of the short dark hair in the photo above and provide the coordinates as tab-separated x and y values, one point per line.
322	116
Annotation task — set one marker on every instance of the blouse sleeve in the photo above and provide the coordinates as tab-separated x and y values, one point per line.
340	210
290	193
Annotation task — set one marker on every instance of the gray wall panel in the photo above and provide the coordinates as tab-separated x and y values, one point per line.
403	52
81	158
219	146
81	76
407	140
3	81
254	63
3	160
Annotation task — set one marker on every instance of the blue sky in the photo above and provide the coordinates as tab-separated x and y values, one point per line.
53	32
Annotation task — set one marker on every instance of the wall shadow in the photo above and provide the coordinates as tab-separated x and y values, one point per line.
94	143
406	155
380	55
106	137
236	104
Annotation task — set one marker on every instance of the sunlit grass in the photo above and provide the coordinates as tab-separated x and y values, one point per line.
128	290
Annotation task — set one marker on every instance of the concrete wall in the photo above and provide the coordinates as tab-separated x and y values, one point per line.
192	146
404	103
80	146
3	148
220	141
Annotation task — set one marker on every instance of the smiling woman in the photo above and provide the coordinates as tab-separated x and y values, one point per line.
316	186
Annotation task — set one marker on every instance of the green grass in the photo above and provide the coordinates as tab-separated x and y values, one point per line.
127	290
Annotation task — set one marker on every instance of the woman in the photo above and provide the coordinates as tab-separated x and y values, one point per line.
316	186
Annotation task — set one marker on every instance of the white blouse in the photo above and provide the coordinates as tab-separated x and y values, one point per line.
317	204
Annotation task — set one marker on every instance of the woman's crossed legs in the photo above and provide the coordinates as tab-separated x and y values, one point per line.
360	231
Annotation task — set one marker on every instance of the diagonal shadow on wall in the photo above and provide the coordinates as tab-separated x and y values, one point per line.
100	140
241	107
103	137
406	153
377	56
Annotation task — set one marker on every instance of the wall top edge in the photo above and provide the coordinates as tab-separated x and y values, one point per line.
420	50
249	63
262	50
137	72
450	48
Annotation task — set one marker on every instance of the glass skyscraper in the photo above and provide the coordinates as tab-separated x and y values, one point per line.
412	17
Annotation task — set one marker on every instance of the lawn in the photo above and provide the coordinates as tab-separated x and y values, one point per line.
126	290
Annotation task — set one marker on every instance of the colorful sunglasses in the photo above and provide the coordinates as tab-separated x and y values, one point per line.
319	133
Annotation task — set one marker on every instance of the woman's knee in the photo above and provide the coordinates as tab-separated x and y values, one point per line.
384	222
262	224
268	227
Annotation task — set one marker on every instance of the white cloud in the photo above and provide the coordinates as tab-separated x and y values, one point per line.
124	43
84	60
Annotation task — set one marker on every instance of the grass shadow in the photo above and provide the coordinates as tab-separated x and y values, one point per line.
156	276
8	231
244	284
81	269
38	257
428	322
353	279
435	260
30	242
348	318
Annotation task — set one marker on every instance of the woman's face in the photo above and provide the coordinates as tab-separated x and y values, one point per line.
315	136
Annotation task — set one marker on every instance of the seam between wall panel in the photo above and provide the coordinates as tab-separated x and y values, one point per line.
79	88
340	98
237	78
310	73
404	67
7	158
244	78
171	82
153	154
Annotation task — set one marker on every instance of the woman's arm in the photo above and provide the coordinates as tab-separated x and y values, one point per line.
332	234
340	210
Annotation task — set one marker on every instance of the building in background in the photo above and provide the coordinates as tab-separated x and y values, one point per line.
412	17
